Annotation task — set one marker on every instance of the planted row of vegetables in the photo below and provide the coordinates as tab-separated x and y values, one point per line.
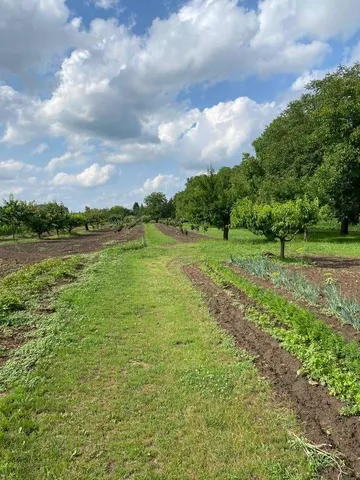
326	356
329	295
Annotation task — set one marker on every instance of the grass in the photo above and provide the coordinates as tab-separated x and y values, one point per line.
142	384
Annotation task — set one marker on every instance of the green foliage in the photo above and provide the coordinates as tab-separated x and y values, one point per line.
95	217
326	356
18	288
275	220
346	309
281	277
13	214
156	205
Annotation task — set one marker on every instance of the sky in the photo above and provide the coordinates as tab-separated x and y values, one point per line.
105	101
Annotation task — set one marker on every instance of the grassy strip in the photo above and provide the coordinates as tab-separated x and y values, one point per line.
155	237
144	385
326	356
20	287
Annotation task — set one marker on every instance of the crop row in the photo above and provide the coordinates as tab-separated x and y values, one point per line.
346	309
325	355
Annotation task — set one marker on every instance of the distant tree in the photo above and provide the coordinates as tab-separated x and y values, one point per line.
94	217
74	220
13	214
156	205
276	220
117	214
208	199
37	219
136	209
57	216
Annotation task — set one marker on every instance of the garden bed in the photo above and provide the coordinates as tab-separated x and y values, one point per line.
312	403
177	235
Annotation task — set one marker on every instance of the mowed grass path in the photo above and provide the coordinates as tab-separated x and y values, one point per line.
146	387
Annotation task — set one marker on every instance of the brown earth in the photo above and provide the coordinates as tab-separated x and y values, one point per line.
347	331
317	411
15	255
176	234
11	339
345	271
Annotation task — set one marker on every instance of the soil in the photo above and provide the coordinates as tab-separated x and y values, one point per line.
347	331
10	339
314	407
176	234
15	255
345	271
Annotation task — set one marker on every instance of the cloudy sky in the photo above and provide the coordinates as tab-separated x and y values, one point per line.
105	101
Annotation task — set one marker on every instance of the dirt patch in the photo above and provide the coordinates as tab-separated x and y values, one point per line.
347	331
345	271
15	255
11	339
314	407
176	234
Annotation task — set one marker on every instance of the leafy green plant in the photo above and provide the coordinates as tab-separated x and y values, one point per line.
346	309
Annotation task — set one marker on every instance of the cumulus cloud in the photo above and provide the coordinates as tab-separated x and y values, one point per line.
90	177
106	4
11	169
34	32
65	159
163	183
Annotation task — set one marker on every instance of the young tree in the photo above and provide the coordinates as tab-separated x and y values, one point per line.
136	209
37	219
57	216
13	214
94	217
276	220
156	205
74	220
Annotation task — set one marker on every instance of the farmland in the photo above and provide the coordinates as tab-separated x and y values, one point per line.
161	359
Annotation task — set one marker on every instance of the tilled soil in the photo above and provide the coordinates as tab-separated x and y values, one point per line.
176	234
314	407
347	331
15	255
345	271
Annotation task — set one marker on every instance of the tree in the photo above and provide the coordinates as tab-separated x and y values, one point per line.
37	219
276	220
94	217
136	209
208	199
117	214
156	205
74	220
13	214
57	216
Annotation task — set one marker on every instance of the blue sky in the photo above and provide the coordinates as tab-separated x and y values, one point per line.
104	101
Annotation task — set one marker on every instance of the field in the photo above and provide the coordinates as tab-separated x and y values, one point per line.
164	360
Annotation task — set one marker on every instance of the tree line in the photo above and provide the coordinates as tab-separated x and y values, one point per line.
18	217
306	163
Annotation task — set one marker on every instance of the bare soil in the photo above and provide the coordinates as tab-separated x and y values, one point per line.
16	255
314	407
176	234
11	339
345	271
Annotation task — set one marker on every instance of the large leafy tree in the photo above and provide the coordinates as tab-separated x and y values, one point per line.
208	198
156	205
276	220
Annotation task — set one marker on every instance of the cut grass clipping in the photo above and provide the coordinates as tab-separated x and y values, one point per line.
326	356
346	309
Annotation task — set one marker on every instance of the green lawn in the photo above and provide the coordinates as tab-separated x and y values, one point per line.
144	385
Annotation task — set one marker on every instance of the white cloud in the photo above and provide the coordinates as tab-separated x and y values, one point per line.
11	191
90	177
34	32
65	159
163	183
10	169
41	148
106	4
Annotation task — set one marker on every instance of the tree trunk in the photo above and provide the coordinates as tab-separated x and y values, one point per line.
306	234
226	232
86	227
282	249
344	226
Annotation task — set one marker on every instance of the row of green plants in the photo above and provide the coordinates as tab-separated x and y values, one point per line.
346	309
325	355
18	289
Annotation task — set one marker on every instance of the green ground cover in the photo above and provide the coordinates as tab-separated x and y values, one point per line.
142	384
